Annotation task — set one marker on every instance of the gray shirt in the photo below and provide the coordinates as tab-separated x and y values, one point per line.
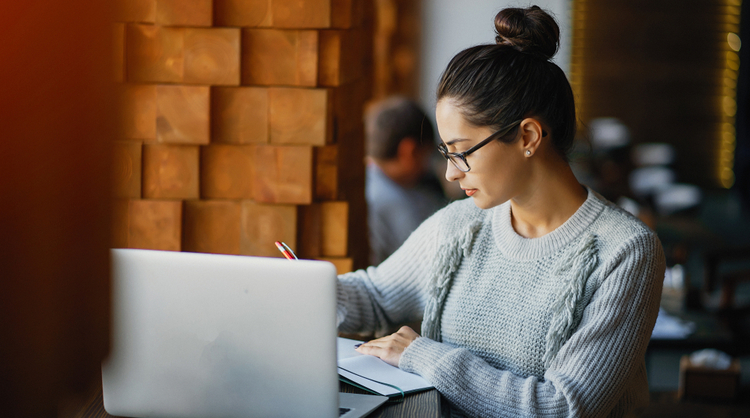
394	212
550	326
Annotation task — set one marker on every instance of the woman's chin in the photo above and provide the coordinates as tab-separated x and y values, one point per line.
482	202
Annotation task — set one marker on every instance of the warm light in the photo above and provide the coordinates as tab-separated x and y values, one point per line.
730	106
727	181
733	64
734	41
727	143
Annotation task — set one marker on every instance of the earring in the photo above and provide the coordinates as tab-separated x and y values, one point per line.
528	153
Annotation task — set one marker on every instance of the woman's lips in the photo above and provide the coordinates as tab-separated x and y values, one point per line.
470	192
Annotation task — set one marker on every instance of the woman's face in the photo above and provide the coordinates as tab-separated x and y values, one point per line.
497	168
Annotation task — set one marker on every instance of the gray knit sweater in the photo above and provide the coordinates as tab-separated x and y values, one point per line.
550	326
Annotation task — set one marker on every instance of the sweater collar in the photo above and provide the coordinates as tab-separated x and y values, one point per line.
517	247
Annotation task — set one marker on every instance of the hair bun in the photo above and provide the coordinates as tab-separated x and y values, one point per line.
532	31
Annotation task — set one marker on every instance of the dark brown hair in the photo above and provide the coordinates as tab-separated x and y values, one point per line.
494	85
389	121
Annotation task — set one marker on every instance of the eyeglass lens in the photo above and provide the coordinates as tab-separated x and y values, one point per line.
457	161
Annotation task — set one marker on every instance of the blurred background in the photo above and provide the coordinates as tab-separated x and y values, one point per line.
225	125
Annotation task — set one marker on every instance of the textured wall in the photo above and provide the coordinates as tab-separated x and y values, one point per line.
242	125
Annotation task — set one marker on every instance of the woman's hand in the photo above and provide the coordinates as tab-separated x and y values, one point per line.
390	348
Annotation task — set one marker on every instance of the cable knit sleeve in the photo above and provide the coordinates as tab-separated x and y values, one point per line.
377	298
593	370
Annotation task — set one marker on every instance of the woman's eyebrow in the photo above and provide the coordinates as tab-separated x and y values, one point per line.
455	141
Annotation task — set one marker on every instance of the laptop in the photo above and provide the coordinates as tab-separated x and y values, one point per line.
208	335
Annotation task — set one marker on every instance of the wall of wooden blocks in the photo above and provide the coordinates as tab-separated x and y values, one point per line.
241	125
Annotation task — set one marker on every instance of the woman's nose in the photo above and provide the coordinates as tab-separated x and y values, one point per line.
452	173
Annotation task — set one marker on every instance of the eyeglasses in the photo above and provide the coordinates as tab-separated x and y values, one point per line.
459	158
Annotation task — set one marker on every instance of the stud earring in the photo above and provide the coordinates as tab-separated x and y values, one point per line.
528	153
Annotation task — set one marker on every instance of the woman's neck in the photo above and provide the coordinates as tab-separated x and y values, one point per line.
553	196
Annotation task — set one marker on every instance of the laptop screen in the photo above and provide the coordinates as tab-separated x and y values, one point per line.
220	335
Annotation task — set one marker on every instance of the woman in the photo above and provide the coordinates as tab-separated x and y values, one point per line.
537	295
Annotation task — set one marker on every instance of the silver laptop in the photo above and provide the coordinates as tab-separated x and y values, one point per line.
207	335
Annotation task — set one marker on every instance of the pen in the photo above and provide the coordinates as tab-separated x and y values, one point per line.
288	253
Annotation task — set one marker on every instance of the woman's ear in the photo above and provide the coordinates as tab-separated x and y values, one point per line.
531	136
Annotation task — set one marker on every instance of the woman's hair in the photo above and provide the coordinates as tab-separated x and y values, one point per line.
495	85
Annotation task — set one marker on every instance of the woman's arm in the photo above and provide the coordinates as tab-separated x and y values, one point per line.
592	369
378	298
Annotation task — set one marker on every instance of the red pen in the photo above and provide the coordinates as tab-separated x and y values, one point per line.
285	250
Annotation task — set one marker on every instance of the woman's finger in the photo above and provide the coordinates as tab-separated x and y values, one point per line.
387	354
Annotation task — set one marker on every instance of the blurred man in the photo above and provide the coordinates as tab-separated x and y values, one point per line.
401	189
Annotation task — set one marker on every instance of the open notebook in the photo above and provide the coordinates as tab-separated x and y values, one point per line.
374	374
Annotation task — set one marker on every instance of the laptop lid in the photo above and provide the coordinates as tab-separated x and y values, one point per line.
198	335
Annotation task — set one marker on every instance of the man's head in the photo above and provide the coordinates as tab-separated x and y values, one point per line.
400	138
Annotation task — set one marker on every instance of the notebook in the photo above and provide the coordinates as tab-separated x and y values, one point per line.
375	375
197	335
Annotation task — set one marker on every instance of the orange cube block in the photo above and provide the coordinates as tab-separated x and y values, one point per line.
170	171
341	58
183	114
227	171
346	13
184	12
311	13
283	174
301	14
138	111
148	224
300	116
343	264
239	115
126	171
212	56
279	57
334	232
324	230
326	172
262	225
212	226
154	54
242	13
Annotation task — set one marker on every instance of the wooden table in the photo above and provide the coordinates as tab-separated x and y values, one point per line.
423	404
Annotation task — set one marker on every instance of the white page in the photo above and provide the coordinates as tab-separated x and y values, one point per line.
364	370
345	348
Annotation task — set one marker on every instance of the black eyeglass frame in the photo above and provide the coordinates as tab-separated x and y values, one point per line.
462	155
